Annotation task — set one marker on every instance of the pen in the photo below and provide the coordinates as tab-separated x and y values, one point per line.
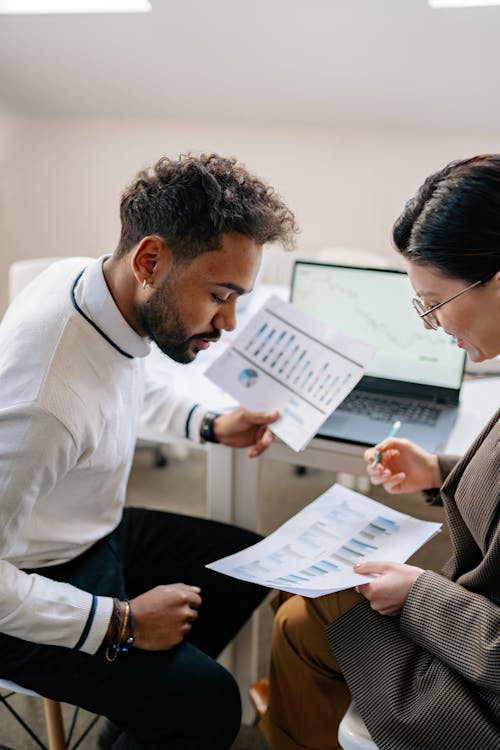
395	427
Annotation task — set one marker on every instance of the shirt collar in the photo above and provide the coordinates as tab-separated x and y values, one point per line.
93	296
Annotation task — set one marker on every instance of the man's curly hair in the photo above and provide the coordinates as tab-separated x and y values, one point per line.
191	201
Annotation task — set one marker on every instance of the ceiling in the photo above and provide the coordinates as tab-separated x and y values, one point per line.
367	63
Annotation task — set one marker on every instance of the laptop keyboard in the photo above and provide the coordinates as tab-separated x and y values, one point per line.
387	409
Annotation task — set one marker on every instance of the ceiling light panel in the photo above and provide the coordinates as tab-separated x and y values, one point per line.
462	3
40	7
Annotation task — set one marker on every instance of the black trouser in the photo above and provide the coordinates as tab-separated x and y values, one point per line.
181	698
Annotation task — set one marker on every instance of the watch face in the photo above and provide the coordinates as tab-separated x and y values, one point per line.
207	427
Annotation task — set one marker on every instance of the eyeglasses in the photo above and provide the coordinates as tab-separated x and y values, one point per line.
427	312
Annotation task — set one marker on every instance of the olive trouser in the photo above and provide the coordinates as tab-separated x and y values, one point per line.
308	695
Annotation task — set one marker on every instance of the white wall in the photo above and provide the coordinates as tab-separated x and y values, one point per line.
60	179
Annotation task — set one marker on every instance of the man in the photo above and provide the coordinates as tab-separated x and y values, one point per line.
91	608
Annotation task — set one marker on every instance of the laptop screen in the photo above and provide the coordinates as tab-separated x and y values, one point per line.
375	305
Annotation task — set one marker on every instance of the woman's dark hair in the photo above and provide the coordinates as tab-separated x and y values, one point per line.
190	201
453	222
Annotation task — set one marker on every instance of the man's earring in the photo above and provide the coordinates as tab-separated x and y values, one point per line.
144	284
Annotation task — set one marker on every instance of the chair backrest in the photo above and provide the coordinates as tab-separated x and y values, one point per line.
21	272
351	256
279	263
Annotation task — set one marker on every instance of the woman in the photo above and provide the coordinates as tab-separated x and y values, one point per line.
419	651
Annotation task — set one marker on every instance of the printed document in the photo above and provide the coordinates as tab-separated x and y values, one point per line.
314	552
288	360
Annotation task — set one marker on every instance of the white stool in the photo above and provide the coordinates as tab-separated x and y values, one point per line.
53	718
52	710
353	735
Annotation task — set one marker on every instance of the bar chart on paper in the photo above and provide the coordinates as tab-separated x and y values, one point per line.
314	552
304	366
286	360
289	360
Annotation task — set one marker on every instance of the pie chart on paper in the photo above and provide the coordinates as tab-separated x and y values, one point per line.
248	377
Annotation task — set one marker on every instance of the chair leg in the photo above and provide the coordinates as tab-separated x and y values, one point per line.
54	722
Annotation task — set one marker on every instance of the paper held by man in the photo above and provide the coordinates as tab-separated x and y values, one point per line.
288	360
314	552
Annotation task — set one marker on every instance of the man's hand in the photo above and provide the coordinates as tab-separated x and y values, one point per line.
163	616
389	590
241	428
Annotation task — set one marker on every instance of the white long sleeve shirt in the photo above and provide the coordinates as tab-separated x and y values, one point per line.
73	390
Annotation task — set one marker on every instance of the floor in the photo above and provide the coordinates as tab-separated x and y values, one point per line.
180	487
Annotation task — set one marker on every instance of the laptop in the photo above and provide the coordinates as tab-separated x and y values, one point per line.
416	374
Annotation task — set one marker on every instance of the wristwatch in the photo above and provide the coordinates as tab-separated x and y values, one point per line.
207	433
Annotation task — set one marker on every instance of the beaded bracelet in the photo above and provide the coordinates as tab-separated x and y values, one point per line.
118	642
114	625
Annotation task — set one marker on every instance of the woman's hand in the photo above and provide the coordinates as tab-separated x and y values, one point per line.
389	590
241	428
403	466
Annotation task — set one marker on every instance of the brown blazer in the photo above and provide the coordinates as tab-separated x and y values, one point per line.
430	678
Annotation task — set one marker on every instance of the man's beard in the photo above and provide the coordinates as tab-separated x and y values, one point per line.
161	323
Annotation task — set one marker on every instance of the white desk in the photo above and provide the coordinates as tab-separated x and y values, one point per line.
232	483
